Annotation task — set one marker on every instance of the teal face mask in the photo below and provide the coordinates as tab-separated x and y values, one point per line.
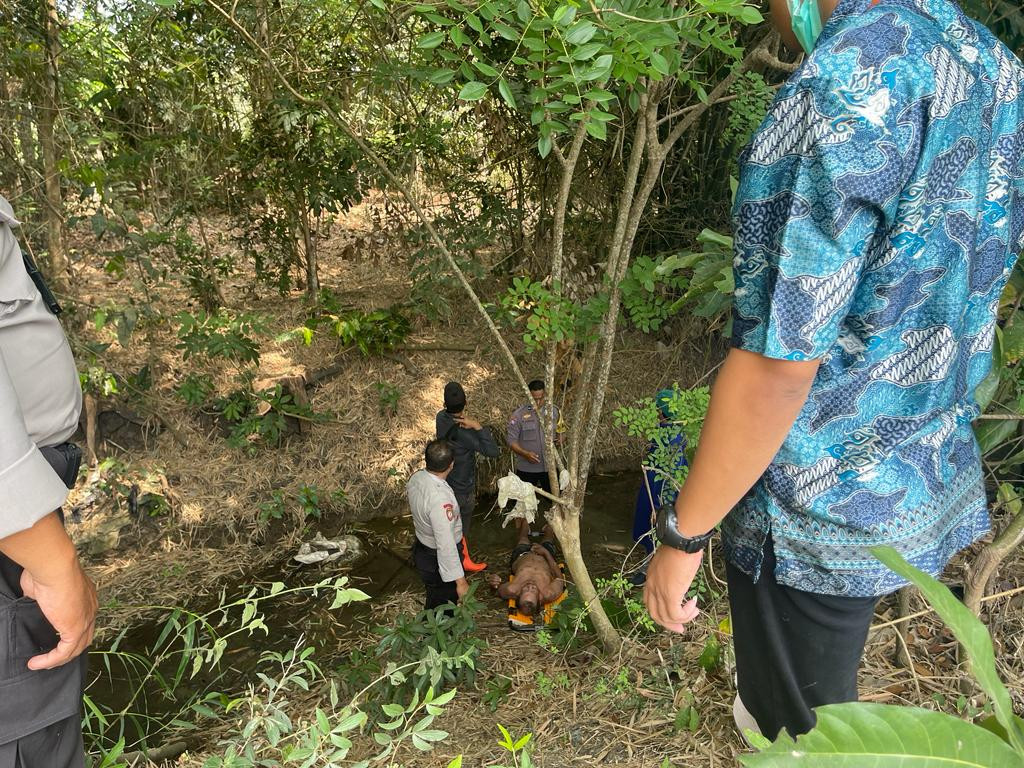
806	22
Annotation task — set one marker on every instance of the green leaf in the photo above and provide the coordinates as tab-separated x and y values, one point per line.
473	91
870	735
544	145
597	129
485	69
1013	342
588	51
564	15
749	15
441	76
660	63
581	32
431	40
993	433
991	724
599	95
456	763
971	633
506	93
987	389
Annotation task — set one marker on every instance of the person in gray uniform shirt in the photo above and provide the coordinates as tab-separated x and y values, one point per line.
47	602
437	550
525	436
468	438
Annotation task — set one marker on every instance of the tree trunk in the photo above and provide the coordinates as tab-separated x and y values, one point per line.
309	251
213	297
54	208
565	522
984	568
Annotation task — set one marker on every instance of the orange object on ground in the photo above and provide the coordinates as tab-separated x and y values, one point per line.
467	562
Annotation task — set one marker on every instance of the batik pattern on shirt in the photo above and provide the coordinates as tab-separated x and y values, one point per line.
879	213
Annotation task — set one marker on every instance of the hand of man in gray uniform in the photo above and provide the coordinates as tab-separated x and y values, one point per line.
54	578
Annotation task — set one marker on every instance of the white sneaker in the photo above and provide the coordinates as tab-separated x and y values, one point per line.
743	719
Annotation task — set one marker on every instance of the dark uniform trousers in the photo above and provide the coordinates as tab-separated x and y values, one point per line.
40	711
439	592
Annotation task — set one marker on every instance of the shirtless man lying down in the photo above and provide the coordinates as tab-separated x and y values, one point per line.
538	579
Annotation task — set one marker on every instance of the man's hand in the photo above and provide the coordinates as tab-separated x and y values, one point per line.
531	457
468	423
494	580
69	603
669	576
461	587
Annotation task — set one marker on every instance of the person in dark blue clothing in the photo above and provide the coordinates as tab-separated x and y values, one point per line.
657	488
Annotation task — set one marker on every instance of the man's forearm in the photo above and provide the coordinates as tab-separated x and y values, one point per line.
753	406
44	550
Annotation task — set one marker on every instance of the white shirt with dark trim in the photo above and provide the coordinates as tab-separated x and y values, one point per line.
435	515
40	396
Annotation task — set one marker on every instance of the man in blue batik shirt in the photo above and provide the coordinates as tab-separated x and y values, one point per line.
880	210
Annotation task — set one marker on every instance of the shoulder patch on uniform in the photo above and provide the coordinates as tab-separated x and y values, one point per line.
449	510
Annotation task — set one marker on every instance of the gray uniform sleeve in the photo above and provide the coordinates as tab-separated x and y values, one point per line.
443	512
514	428
29	488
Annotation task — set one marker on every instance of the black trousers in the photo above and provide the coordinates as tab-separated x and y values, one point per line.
467	504
40	712
439	591
56	746
794	650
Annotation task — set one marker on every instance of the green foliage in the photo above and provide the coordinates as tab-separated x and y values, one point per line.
388	397
273	508
868	734
195	389
309	501
649	292
547	685
687	715
497	691
373	332
626	611
711	283
434	649
220	335
515	749
135	491
98	381
261	418
686	410
564	65
752	99
548	315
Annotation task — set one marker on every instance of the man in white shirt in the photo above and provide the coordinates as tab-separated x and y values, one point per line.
437	551
47	603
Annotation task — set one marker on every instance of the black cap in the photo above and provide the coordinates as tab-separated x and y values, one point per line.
454	397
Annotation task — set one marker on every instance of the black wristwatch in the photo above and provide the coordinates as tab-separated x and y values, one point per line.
669	535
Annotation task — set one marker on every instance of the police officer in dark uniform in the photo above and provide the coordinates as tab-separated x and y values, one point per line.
47	602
